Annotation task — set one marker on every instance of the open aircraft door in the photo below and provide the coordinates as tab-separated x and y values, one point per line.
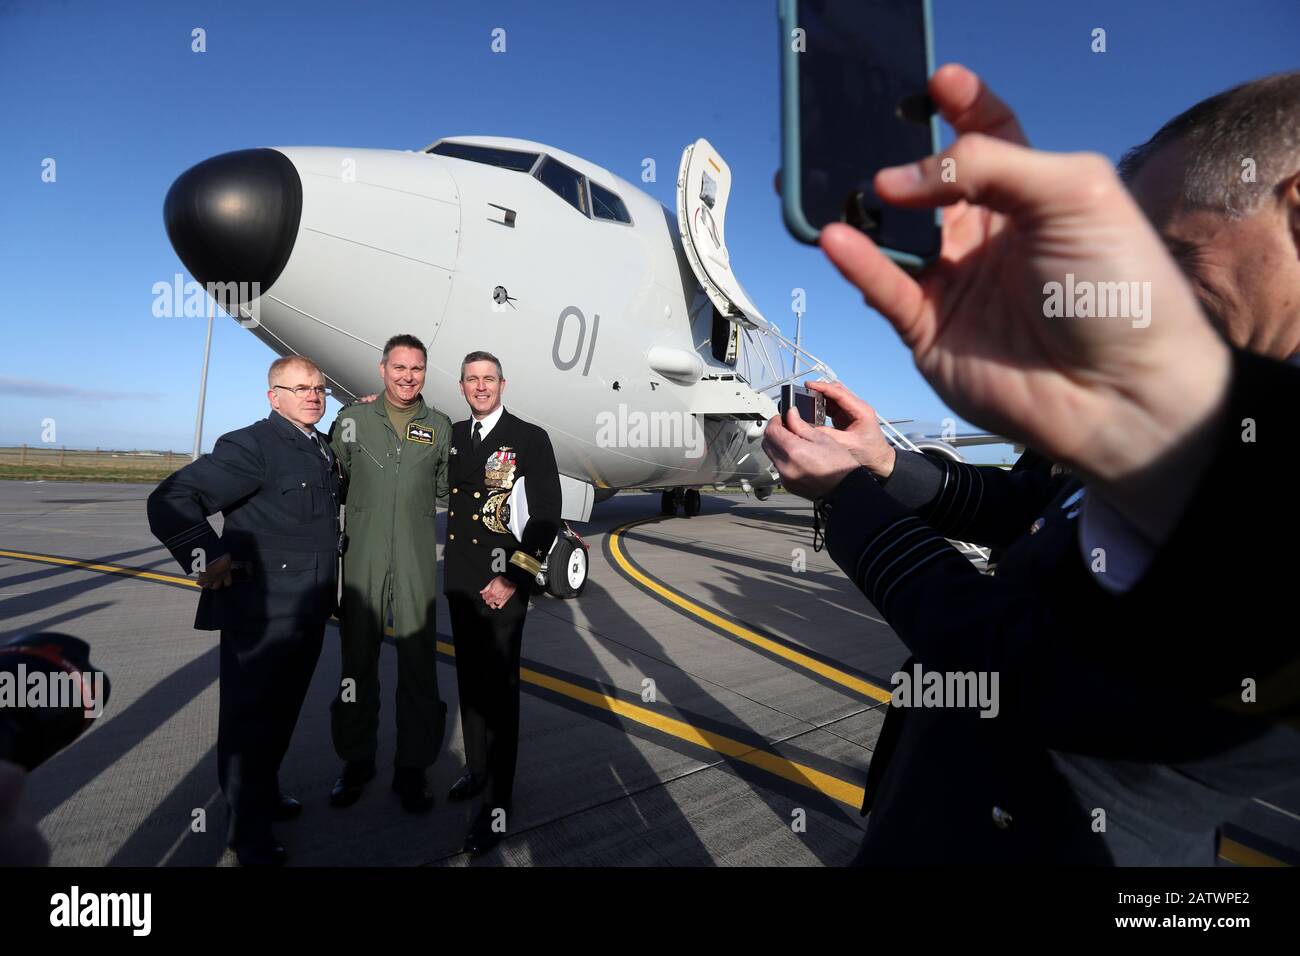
703	186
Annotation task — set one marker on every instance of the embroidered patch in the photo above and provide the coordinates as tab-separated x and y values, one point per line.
496	512
419	433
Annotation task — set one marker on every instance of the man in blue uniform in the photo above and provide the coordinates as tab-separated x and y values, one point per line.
269	582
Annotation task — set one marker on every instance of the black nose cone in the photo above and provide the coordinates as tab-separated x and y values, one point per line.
234	217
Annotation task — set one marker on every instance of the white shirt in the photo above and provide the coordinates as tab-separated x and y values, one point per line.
311	436
488	423
1107	540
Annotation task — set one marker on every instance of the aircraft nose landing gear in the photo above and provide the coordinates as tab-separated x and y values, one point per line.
688	499
566	565
691	505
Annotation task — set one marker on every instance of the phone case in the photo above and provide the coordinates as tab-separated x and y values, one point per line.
791	201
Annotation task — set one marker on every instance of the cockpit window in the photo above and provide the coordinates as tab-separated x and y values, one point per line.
607	205
490	155
569	184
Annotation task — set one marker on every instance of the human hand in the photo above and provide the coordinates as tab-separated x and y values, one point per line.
857	428
216	575
1109	397
810	461
499	590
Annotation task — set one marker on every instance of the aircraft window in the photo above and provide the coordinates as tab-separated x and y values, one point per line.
607	205
490	155
566	183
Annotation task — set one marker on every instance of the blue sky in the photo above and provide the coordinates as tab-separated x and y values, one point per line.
113	93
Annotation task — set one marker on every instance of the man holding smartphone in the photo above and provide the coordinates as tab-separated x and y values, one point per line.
1124	735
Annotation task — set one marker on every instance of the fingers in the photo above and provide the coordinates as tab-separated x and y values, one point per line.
971	107
853	406
985	171
885	287
798	427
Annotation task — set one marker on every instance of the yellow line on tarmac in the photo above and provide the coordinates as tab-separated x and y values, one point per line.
105	568
798	773
801	774
1242	855
1230	850
693	608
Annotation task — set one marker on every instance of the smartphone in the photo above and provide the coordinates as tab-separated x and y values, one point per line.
854	100
810	405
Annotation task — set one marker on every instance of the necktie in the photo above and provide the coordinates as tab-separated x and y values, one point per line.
478	435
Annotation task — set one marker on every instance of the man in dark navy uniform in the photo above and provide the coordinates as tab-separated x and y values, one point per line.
270	582
1127	728
1040	513
488	573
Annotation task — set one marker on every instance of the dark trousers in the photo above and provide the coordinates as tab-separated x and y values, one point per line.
421	715
487	676
266	669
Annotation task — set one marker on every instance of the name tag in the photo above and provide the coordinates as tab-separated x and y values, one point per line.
419	433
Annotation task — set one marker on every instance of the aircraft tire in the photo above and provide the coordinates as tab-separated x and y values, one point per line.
691	506
668	503
568	569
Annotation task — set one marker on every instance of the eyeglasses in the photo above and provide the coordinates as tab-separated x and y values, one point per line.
302	391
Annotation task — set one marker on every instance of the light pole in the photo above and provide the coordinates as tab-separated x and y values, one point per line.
798	342
203	382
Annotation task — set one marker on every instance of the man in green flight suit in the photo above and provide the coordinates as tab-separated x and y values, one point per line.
394	457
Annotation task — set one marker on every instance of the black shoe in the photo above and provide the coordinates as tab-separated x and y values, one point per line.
481	837
261	854
410	785
347	789
287	808
469	785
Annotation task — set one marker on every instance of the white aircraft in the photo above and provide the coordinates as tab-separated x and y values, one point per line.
621	326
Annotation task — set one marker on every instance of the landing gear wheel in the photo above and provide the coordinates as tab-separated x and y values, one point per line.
566	573
668	503
691	506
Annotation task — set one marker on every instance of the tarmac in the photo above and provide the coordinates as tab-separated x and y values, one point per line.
711	699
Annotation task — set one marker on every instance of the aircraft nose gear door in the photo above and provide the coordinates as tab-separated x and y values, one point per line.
703	185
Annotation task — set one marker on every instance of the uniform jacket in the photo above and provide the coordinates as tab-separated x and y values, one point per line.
479	543
279	499
1117	739
392	484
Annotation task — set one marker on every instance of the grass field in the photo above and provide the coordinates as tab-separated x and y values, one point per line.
46	463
